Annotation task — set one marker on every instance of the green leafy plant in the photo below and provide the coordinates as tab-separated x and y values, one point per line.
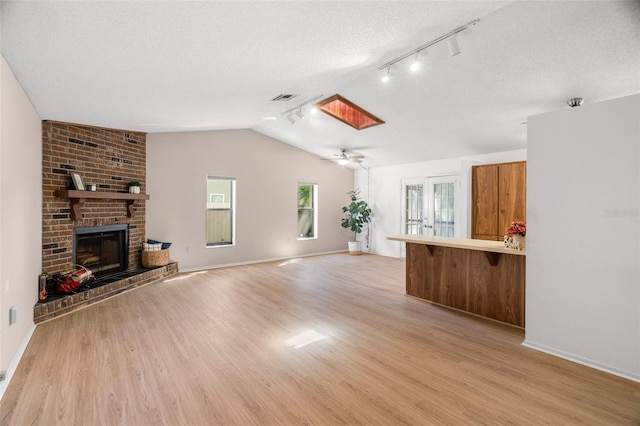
134	183
356	214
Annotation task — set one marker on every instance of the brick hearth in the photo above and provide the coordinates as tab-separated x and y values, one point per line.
47	310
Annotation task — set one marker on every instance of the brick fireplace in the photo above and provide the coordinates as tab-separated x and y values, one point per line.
109	159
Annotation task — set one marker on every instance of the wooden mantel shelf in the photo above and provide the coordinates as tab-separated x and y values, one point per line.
78	198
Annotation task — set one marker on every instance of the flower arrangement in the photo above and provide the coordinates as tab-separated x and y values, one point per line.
517	228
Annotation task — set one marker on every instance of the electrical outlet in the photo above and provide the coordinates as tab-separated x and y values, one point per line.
3	375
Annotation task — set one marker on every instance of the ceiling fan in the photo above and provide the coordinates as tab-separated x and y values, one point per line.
345	158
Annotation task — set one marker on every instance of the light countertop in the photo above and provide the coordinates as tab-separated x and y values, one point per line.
461	243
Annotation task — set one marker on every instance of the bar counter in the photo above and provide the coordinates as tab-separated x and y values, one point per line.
480	277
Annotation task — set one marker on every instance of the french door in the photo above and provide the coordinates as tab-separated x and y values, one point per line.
442	206
429	206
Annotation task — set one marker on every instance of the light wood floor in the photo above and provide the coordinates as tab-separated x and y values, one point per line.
209	348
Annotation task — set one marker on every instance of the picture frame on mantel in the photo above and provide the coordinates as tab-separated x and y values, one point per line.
77	181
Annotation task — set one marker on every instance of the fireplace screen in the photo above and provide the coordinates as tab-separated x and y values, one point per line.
102	249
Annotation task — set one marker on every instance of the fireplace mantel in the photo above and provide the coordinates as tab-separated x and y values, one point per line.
78	198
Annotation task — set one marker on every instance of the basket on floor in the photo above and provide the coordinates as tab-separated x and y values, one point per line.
155	259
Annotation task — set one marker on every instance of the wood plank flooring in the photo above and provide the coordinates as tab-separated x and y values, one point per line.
209	348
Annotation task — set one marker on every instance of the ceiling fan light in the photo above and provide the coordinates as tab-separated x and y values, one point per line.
343	161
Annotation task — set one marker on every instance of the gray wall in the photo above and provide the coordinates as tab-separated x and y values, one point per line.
583	256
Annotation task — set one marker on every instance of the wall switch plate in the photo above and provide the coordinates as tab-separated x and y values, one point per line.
3	375
13	315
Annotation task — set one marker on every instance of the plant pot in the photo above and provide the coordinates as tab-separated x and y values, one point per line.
134	190
355	247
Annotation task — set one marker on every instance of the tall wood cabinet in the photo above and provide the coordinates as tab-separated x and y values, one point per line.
498	197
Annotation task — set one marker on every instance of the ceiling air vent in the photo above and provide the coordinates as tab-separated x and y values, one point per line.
284	97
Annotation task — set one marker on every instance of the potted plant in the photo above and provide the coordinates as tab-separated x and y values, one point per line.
516	235
134	187
356	214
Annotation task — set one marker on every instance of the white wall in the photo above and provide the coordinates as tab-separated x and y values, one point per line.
267	173
583	256
20	217
382	187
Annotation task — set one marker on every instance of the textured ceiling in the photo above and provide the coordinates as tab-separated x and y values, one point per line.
184	66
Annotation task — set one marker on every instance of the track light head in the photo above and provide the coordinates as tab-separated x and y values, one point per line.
300	114
385	78
452	41
291	119
415	65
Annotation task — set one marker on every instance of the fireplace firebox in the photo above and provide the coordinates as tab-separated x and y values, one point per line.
103	249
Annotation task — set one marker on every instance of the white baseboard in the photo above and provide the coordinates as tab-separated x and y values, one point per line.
16	360
251	262
584	361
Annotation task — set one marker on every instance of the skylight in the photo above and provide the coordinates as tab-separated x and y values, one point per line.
348	112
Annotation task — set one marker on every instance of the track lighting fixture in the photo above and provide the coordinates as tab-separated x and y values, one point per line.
298	110
385	78
415	65
452	41
454	49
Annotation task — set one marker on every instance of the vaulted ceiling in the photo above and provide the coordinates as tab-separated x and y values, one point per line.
185	66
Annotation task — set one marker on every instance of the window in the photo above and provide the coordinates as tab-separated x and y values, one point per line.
220	211
307	210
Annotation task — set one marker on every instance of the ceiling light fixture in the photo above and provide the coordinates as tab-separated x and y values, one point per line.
385	78
298	110
575	102
451	38
454	49
415	65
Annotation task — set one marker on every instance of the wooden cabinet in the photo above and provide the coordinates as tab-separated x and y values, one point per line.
498	197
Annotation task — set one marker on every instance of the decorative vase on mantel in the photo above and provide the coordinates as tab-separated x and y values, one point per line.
134	187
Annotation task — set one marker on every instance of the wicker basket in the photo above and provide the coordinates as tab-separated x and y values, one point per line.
155	259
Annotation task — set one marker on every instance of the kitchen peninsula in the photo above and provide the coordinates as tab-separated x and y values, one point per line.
476	276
